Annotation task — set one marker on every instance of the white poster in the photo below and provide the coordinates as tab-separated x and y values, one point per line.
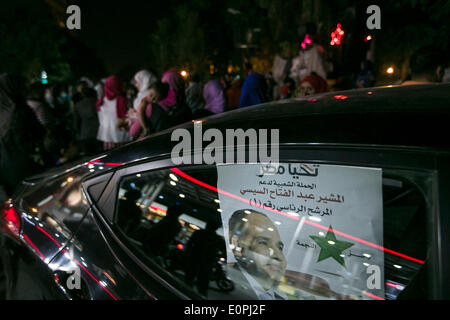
325	222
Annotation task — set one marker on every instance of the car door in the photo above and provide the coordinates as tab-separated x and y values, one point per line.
386	231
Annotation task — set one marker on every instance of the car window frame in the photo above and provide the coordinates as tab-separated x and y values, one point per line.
385	157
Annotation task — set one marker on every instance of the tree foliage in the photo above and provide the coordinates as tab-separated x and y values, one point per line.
408	25
192	36
31	41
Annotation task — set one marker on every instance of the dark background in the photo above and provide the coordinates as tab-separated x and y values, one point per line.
206	36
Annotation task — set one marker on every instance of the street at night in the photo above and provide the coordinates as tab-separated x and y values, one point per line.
224	150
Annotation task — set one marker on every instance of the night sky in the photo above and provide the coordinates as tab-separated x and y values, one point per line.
116	31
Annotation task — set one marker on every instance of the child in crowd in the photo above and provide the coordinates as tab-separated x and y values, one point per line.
150	116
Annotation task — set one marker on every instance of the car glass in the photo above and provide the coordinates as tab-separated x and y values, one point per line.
299	231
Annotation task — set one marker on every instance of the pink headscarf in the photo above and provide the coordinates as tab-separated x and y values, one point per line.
113	87
176	89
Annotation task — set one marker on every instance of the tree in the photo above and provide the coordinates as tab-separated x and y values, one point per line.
194	37
408	25
32	40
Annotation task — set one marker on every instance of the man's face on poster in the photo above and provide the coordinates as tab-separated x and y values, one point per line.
261	246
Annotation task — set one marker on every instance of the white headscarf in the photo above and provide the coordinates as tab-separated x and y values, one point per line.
145	79
88	81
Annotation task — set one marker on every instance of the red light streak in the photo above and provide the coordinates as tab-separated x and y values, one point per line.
372	295
53	239
64	251
91	275
389	284
370	244
395	286
207	186
33	246
106	163
157	208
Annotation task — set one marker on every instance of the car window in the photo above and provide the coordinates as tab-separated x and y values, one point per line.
293	231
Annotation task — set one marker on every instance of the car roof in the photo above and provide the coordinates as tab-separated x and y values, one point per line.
410	116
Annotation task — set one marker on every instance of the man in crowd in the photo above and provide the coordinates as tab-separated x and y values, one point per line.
426	65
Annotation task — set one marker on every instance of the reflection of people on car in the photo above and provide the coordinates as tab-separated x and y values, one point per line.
129	213
161	234
202	253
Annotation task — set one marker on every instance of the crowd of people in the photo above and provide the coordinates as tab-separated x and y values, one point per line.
42	126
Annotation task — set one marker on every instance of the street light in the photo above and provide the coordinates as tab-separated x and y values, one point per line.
44	77
184	73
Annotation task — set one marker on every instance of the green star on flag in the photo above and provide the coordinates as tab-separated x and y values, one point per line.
330	247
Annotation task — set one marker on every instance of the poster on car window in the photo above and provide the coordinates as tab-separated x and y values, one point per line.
316	229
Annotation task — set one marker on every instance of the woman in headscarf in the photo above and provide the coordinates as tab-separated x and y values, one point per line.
111	107
214	97
174	104
253	90
142	81
312	84
20	134
176	96
151	117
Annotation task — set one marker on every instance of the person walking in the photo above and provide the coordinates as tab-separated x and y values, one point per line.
111	107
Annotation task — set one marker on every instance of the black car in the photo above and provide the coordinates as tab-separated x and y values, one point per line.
130	224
